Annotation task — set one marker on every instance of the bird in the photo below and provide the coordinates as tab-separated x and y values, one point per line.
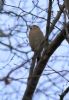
35	39
66	3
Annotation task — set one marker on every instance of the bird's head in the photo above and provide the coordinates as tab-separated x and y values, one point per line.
34	27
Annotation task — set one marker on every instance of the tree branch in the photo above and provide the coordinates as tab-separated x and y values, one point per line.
42	63
64	93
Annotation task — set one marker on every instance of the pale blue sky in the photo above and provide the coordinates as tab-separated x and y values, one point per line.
8	59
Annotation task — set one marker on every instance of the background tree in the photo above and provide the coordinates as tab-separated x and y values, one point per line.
21	76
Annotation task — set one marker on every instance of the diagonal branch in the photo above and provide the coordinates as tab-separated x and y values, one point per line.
41	65
64	93
56	19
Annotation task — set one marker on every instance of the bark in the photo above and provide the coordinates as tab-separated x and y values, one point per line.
32	83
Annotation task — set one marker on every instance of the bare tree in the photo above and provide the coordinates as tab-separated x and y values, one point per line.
21	76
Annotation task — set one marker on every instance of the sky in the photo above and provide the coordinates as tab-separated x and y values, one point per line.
10	59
